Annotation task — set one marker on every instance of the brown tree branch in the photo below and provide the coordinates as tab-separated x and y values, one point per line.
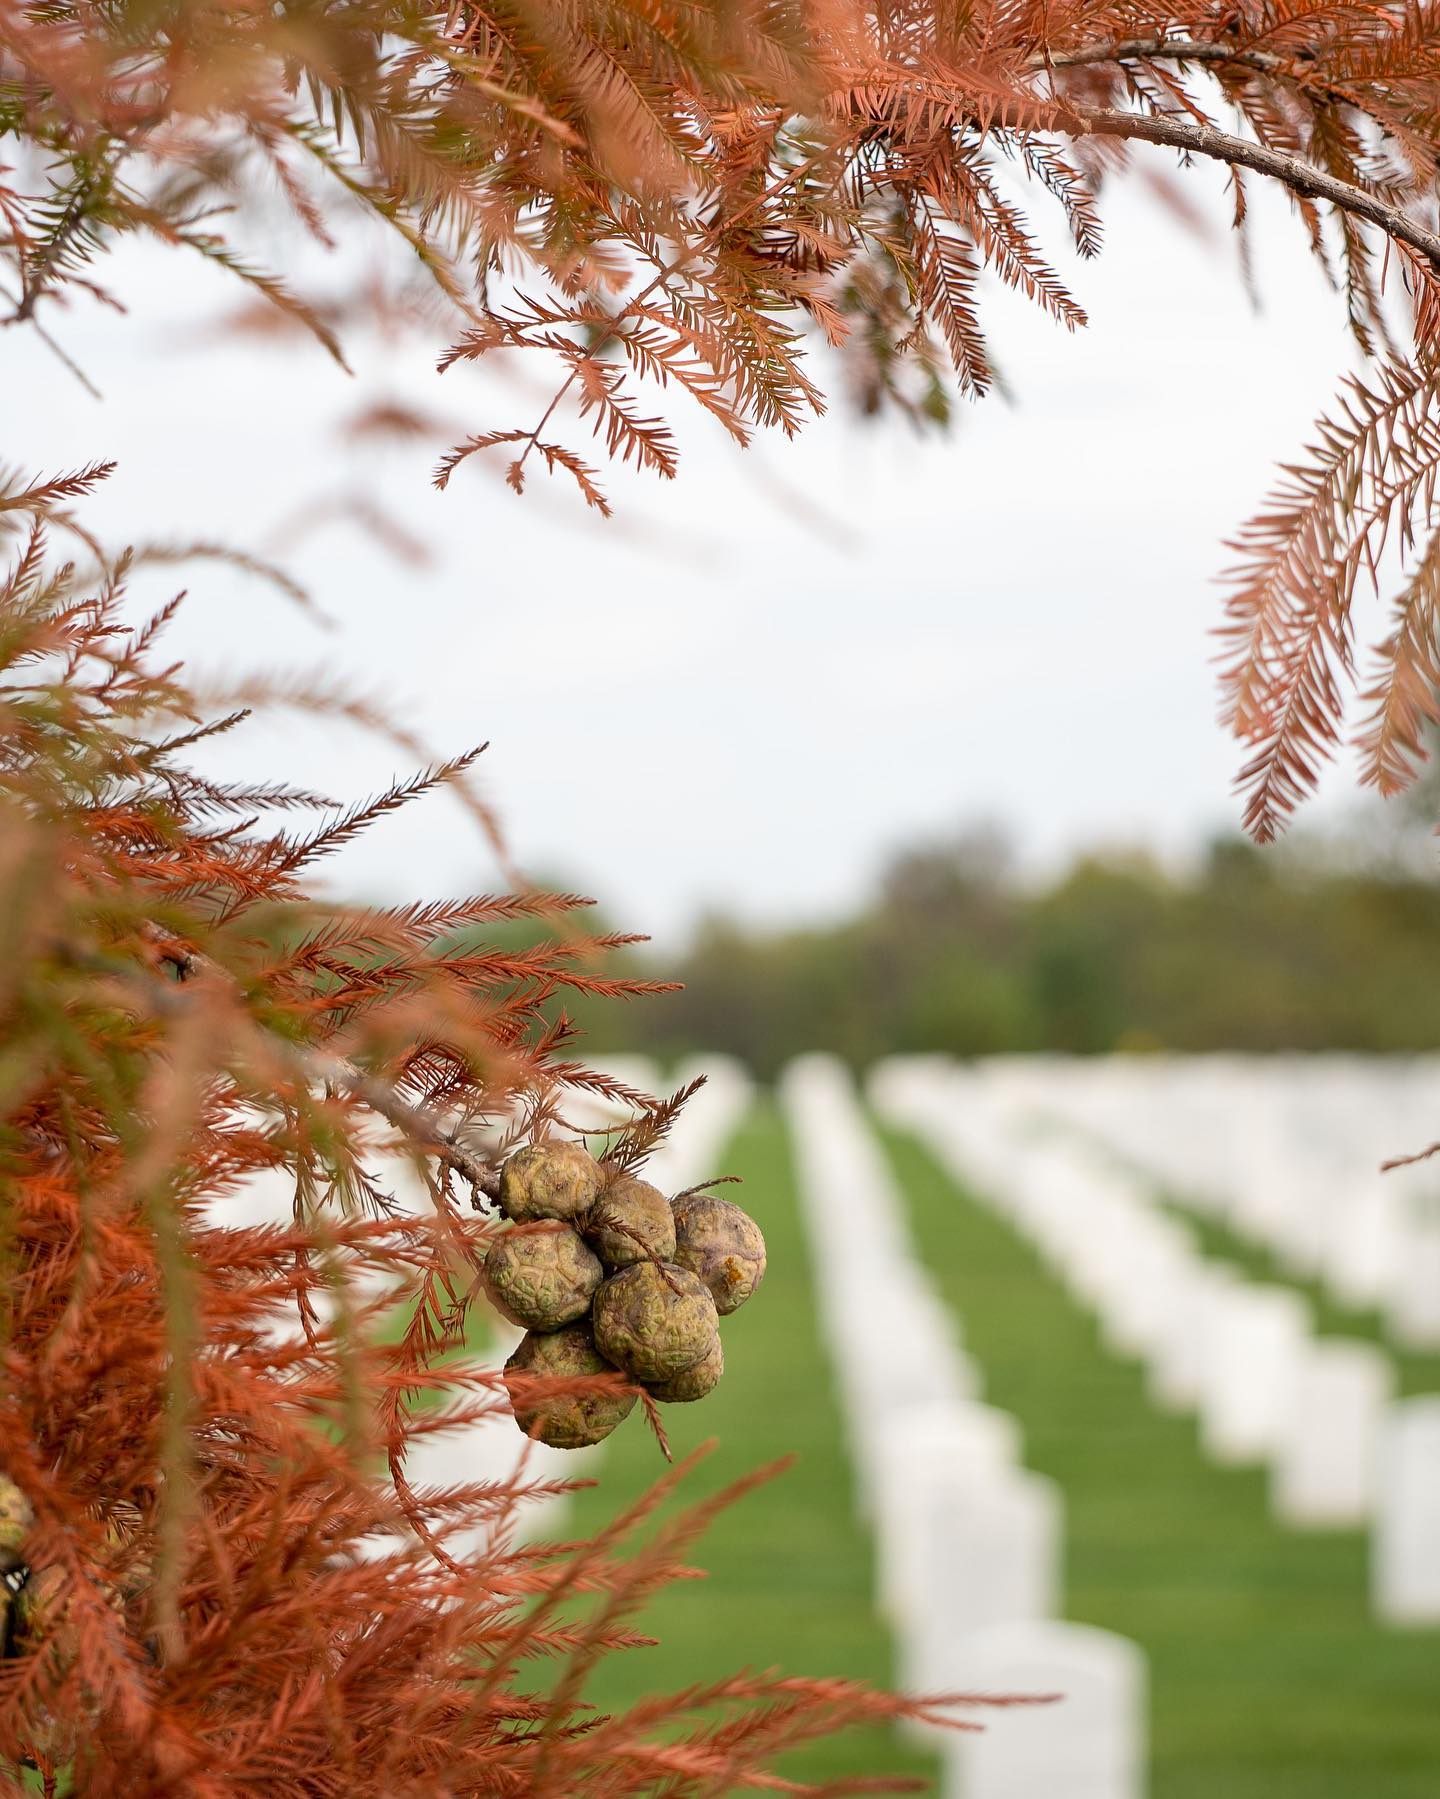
1421	1155
418	1123
725	222
1301	177
57	350
1162	49
1187	49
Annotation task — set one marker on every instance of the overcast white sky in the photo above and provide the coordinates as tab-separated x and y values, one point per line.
762	676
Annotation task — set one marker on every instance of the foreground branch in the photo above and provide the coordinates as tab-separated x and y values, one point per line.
1301	177
419	1123
1162	49
416	1122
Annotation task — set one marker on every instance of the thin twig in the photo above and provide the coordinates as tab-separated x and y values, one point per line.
56	349
1421	1155
702	243
717	1180
652	1418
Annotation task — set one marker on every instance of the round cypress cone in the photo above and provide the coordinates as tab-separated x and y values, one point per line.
630	1221
549	1180
541	1275
42	1624
654	1319
694	1382
569	1421
722	1245
41	1606
17	1518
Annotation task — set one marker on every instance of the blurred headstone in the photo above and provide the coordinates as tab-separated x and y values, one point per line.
1089	1744
930	1453
701	1133
1177	1363
894	1342
1413	1312
1405	1539
992	1552
1253	1341
1137	1313
1326	1458
1367	1244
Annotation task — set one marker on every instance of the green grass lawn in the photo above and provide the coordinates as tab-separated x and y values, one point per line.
1270	1681
789	1571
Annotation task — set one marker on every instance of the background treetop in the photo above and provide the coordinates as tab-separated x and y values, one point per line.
683	196
1317	946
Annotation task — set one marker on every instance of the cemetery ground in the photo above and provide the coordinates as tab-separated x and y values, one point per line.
789	1568
1269	1678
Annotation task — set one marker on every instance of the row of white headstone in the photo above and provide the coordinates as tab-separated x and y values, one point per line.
1300	1172
1320	1412
968	1542
1285	1150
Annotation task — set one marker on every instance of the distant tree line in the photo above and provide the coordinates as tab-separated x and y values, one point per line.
1249	949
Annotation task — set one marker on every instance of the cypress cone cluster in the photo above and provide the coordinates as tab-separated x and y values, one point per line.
608	1276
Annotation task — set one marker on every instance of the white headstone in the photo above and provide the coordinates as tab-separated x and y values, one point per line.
1177	1359
992	1554
1324	1467
1413	1313
1089	1744
1137	1307
1270	1190
926	1452
1253	1341
1405	1538
1367	1245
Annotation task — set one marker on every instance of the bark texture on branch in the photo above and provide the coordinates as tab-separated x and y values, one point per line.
1294	172
415	1122
1161	49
